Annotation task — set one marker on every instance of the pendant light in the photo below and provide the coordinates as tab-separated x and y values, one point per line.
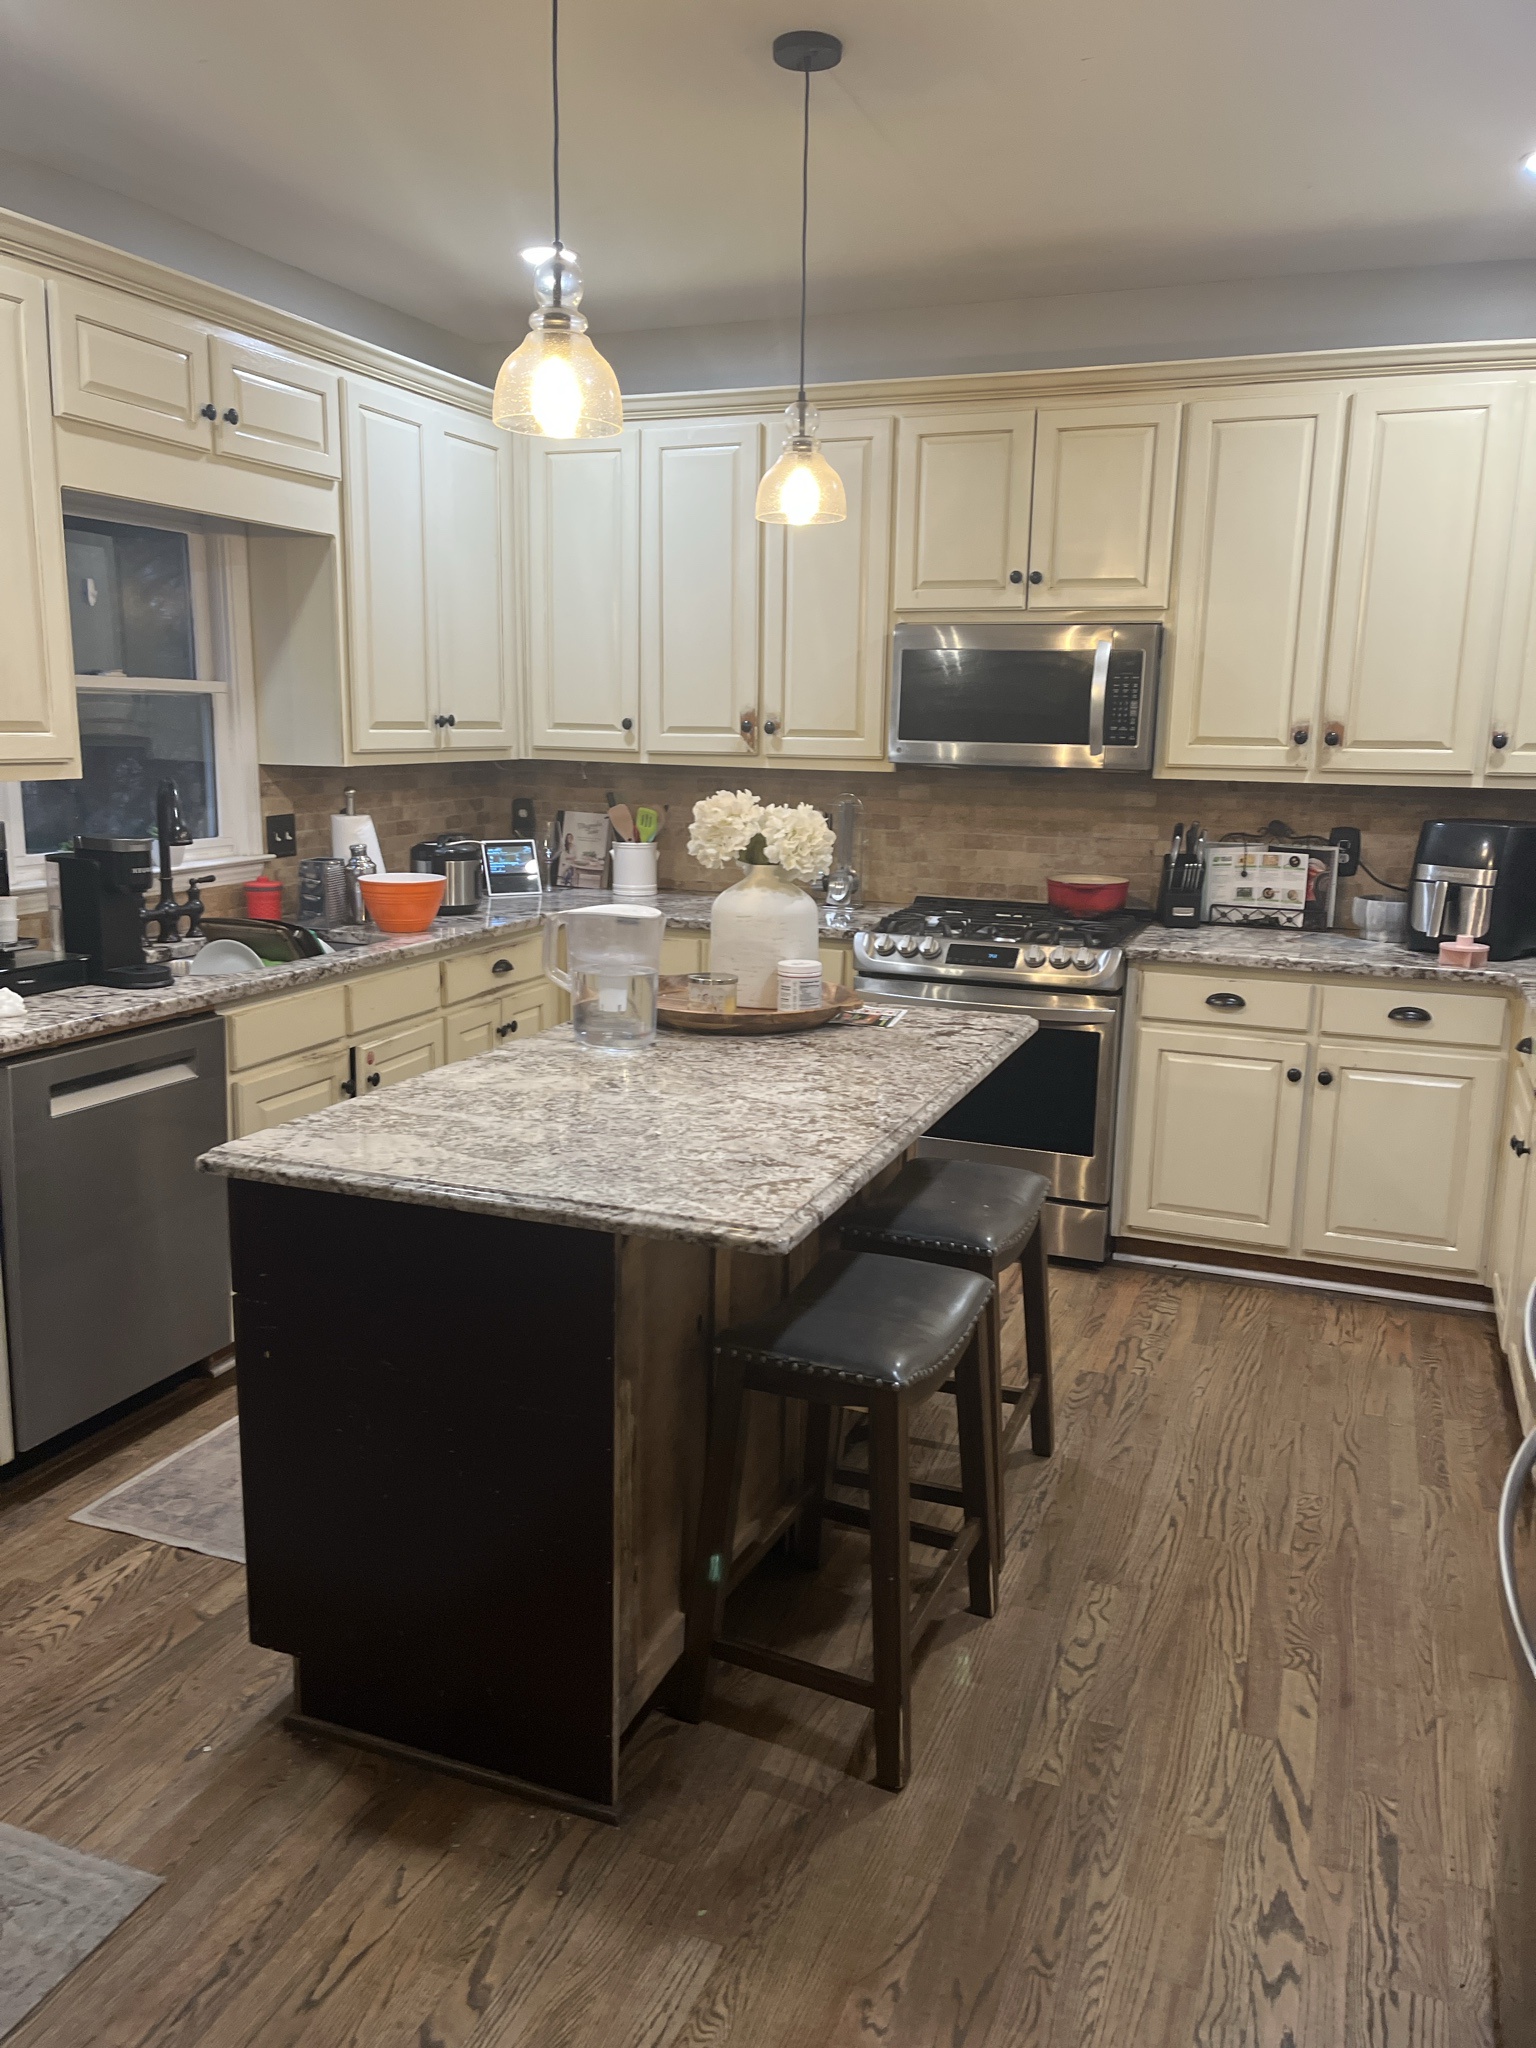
802	488
555	382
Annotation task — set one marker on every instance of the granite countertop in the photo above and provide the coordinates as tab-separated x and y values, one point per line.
90	1012
750	1142
1276	952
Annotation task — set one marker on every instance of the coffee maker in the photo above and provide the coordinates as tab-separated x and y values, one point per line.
101	887
1470	875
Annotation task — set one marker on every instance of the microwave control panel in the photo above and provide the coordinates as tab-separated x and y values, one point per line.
1122	697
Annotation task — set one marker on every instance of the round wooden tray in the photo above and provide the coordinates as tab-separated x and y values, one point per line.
673	1011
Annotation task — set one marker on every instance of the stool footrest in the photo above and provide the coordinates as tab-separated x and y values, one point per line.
919	1489
855	1517
965	1542
843	1685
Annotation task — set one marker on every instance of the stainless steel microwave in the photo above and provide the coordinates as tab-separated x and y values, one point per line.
1028	693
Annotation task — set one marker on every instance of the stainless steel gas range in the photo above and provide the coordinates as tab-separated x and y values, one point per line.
1050	1105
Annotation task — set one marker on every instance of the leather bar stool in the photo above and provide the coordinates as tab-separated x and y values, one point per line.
968	1213
861	1331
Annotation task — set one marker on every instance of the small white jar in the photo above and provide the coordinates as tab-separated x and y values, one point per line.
799	984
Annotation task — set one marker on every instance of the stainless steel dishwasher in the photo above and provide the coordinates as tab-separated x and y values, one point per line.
116	1249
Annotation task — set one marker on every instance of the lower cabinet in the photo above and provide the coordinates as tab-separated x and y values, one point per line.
1510	1269
1400	1157
1215	1136
498	1022
286	1089
398	1055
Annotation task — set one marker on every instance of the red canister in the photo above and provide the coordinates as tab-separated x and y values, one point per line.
264	898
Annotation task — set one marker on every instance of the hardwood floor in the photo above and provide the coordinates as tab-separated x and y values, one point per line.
1225	1770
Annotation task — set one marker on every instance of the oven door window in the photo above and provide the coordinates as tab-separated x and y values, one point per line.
1043	1098
1000	696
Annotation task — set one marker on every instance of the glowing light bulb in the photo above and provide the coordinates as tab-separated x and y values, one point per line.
1530	163
800	496
555	398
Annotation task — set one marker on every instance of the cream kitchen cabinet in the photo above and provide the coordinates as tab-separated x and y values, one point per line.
1511	734
289	1088
826	612
38	732
1101	527
428	576
963	482
496	1023
1510	1212
121	361
700	577
1419	586
1215	1135
582	595
398	1055
1243	667
1400	1156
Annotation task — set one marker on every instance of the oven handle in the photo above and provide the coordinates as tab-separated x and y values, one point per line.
1098	690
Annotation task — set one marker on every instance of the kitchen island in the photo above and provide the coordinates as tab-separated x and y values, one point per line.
473	1317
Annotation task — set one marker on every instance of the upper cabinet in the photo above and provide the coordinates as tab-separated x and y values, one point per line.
962	509
428	576
1511	735
699	573
38	734
1101	531
1244	664
826	610
1424	534
582	592
120	361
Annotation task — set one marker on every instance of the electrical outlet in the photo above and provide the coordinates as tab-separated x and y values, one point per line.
282	835
1347	837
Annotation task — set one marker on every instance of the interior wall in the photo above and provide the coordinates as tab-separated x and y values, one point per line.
948	831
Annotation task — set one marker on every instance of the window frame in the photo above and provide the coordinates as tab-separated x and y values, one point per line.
225	660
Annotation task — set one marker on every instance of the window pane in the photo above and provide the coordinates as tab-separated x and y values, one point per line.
130	600
130	742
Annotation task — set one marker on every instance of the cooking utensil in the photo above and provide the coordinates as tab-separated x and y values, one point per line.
647	823
1176	844
672	1010
402	903
1086	895
622	820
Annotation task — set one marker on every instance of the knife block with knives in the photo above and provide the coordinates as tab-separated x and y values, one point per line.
1182	888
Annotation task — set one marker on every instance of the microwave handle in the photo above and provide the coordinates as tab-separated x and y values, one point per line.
1098	689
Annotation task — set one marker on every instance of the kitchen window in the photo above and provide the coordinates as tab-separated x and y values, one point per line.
160	615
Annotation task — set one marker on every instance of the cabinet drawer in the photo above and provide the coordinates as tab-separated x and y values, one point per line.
268	1031
1414	1015
398	992
493	969
1262	1002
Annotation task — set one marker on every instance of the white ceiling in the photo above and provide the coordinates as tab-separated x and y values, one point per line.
966	150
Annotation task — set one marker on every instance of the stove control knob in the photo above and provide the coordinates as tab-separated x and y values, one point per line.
1083	959
883	944
907	946
930	948
1060	957
1034	956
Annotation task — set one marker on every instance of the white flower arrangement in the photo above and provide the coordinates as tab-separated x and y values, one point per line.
732	825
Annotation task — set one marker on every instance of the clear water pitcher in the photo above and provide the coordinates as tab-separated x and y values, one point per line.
613	961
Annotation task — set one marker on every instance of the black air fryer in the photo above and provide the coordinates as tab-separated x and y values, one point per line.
1473	876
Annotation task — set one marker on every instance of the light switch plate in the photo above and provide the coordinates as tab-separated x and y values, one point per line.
282	835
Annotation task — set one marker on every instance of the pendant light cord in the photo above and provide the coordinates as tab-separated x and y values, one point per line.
554	74
805	227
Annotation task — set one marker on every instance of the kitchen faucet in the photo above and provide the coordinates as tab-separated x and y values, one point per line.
172	830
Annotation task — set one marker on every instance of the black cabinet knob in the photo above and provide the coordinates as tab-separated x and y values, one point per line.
1301	735
440	720
1293	1073
209	412
450	719
1325	1079
1518	1147
770	726
1501	741
1408	1013
626	724
501	967
1524	1045
1037	575
374	1080
1332	739
1225	1002
232	416
506	1030
1015	575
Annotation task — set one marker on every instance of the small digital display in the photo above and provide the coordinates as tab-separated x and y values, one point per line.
511	867
982	956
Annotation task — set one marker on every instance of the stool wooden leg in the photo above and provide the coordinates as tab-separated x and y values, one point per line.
976	1405
1037	1339
819	1421
891	1609
723	1461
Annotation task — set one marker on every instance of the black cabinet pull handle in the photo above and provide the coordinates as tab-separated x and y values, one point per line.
506	1030
1037	575
1301	735
1226	1002
1501	741
770	726
1518	1147
1293	1073
1015	575
626	725
1325	1079
440	720
1407	1013
232	416
1524	1045
501	967
1332	739
209	412
450	719
374	1080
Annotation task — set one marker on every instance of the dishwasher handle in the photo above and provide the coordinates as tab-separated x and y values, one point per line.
69	1098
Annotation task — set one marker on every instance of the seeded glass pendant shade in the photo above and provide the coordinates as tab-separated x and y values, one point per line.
802	488
556	383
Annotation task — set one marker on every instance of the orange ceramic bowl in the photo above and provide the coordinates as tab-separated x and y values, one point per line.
403	903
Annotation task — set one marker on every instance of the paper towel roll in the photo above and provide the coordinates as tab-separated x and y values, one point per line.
346	832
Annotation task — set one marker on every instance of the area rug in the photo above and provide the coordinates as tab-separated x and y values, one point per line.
190	1499
56	1906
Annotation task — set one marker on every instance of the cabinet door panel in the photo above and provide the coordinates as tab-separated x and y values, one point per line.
292	1088
38	732
827	610
962	509
393	686
471	569
1245	663
471	1030
287	410
699	585
1423	542
401	1056
1514	1177
1215	1134
120	362
584	595
1101	531
1513	717
1400	1157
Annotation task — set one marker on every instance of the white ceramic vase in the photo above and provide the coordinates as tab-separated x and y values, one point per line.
759	921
